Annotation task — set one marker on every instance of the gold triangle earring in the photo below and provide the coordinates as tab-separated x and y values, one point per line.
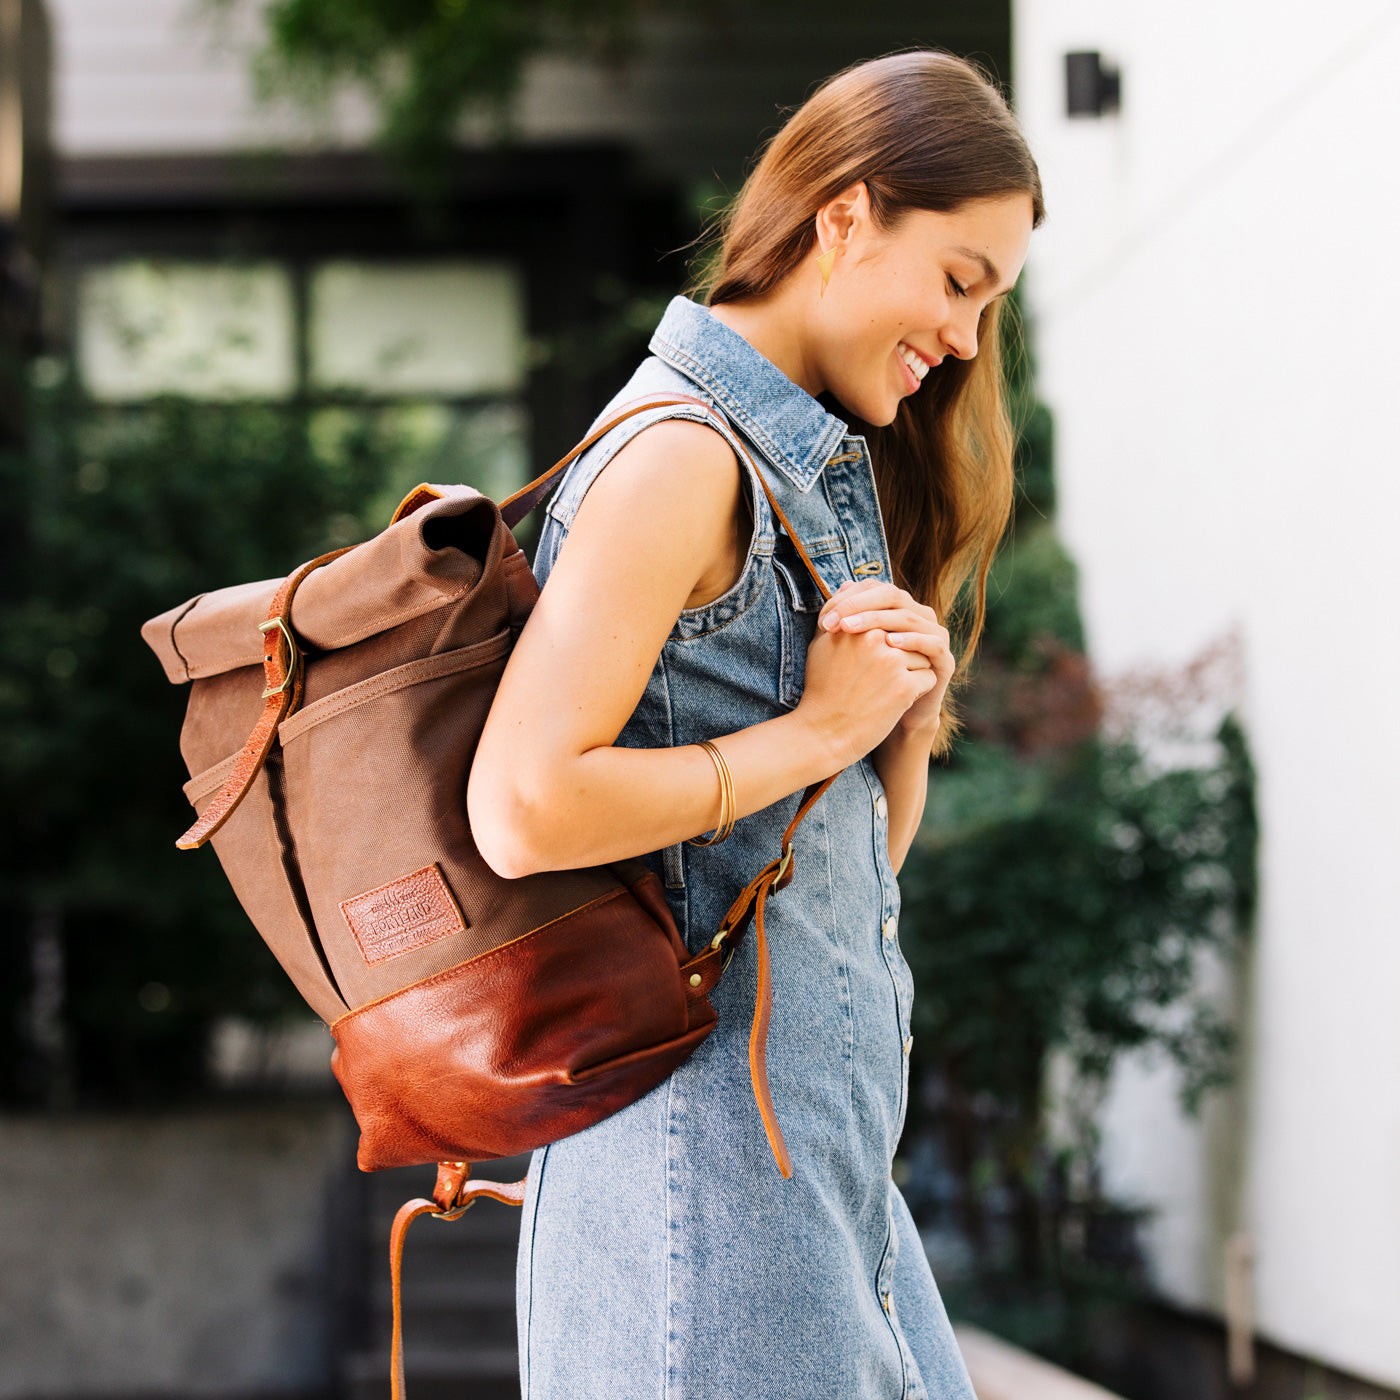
825	262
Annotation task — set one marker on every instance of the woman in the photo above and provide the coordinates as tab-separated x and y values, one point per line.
663	1253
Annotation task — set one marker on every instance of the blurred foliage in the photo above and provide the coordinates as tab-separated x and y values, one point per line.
126	950
425	64
1061	901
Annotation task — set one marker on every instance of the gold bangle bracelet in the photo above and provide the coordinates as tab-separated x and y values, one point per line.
726	799
727	778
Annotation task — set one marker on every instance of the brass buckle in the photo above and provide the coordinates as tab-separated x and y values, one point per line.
293	655
716	941
452	1212
783	865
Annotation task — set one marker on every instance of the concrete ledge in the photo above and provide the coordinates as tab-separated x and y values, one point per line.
1001	1371
178	1254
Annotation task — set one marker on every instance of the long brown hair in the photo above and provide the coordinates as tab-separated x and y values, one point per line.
924	129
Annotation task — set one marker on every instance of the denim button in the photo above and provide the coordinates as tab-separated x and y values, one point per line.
890	925
887	1300
881	806
908	1041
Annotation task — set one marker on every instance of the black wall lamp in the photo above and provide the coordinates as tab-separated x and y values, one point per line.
1090	88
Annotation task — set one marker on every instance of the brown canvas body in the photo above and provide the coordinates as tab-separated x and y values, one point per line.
474	1017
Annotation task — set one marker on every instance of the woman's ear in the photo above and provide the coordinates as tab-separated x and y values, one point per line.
842	217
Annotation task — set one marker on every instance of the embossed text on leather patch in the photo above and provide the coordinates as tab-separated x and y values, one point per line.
405	914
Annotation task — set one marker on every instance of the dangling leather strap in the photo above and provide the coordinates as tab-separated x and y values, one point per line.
749	904
452	1195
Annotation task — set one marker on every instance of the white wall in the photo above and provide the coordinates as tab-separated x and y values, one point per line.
1216	300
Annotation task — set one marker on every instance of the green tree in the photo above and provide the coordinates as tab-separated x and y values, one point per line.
129	949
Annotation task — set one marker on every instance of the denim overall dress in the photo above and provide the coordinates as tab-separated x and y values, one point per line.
662	1255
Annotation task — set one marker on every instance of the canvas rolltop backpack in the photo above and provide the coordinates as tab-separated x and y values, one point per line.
330	729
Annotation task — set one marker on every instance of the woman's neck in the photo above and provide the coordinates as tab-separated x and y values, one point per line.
771	326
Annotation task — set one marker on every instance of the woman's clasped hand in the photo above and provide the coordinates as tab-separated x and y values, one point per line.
879	660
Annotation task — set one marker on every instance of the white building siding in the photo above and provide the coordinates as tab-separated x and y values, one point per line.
1215	297
151	77
145	77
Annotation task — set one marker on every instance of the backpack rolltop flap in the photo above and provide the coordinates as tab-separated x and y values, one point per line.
437	557
434	553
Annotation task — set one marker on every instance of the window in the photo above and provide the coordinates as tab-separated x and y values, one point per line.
208	330
452	329
417	328
427	357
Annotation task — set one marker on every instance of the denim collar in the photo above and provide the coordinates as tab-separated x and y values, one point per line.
787	424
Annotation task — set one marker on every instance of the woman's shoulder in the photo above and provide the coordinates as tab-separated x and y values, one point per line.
665	434
677	478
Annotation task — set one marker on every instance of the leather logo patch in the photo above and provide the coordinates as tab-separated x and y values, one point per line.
405	914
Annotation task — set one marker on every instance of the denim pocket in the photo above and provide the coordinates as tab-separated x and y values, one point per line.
799	601
800	587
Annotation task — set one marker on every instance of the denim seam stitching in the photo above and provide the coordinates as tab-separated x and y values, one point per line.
667	1370
880	838
847	999
752	594
787	649
840	525
889	1255
795	588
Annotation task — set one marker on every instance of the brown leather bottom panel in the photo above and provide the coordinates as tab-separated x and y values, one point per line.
528	1043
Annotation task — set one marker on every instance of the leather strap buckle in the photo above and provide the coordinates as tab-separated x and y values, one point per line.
455	1213
783	866
717	941
293	655
774	875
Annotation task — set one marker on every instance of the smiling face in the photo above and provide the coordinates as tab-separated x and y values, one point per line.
902	299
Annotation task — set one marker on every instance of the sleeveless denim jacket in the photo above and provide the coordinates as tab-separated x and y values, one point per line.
662	1254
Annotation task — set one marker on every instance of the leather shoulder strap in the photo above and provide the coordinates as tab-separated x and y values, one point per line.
520	503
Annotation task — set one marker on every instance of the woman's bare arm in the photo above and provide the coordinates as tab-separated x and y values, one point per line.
549	789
